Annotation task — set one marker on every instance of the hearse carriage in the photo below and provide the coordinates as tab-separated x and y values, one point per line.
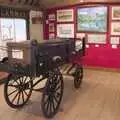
30	59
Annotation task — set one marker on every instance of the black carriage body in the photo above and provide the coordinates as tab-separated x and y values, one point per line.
53	53
37	58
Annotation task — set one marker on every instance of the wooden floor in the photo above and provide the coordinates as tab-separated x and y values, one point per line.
97	99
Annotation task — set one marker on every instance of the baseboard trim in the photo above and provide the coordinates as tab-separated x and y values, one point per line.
103	69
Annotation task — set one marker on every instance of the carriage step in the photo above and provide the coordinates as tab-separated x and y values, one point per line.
39	89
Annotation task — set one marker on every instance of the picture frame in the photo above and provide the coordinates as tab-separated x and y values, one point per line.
51	17
115	12
65	30
65	15
96	38
115	40
51	27
115	28
51	36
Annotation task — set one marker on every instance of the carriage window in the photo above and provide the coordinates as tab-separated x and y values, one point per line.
11	30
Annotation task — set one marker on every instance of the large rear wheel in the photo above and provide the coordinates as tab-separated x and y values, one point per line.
52	94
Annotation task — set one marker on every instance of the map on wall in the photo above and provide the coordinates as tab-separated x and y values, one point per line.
92	19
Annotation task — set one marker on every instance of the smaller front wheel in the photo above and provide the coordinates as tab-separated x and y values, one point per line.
17	90
52	94
78	76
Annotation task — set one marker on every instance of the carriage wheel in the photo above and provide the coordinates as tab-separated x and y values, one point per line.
52	94
78	76
17	90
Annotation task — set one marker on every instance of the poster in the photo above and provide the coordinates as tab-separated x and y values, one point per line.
116	13
51	27
115	40
93	19
65	15
97	38
51	17
115	28
51	36
65	30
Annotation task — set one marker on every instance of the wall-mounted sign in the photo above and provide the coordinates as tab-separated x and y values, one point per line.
97	38
65	30
13	13
65	15
116	13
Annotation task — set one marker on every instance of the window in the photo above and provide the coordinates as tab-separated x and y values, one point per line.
11	30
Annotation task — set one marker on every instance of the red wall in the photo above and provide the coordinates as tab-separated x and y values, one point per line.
102	56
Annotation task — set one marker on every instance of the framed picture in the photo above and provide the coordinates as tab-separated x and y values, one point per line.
51	27
65	15
116	13
97	38
115	28
92	19
37	20
65	30
51	17
115	40
51	36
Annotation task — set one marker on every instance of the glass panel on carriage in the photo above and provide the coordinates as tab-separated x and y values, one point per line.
11	30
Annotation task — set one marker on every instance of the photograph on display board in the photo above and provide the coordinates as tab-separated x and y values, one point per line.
92	19
116	13
51	27
51	17
51	36
95	38
115	28
65	30
115	40
65	15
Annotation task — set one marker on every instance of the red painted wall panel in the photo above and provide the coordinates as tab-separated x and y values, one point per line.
102	56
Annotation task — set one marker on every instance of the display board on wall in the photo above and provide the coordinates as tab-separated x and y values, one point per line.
92	19
65	30
51	36
65	15
96	38
51	27
115	28
115	40
51	17
115	12
36	17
